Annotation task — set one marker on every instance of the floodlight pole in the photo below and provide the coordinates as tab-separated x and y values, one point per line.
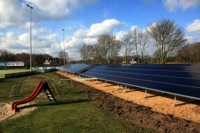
30	36
63	47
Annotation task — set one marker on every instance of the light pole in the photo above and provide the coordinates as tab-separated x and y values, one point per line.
63	47
30	36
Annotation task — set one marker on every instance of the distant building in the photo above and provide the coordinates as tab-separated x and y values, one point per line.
52	61
133	61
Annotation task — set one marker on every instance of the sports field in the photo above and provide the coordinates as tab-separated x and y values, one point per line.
3	72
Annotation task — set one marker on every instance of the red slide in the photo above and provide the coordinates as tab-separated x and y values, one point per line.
37	91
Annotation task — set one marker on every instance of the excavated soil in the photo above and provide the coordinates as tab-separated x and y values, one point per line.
127	109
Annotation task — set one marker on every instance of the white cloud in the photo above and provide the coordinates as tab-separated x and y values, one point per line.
43	41
81	33
134	27
95	30
106	27
194	27
15	13
192	38
58	9
193	30
173	5
90	41
148	28
11	13
73	42
120	35
10	41
90	35
24	39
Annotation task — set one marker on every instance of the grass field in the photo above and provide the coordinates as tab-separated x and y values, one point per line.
13	71
3	72
74	113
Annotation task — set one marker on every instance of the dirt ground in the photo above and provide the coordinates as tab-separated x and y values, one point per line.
154	111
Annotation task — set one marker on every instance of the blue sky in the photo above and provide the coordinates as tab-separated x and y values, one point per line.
85	20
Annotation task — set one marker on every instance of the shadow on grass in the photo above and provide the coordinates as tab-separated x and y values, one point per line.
58	103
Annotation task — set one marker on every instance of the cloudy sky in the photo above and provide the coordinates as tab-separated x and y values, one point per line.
85	20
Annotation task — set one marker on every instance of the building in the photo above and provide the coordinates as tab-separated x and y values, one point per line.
52	62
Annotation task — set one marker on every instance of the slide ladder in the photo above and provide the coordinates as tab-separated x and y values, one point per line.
49	94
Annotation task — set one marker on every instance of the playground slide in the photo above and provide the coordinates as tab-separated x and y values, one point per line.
37	91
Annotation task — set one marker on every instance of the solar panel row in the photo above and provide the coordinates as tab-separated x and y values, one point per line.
74	68
171	67
182	80
146	71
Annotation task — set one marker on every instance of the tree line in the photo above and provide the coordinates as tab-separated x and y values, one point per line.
37	59
189	53
165	36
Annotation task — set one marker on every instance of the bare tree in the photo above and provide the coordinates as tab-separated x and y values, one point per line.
64	55
135	33
108	47
143	41
86	52
156	56
114	49
168	38
127	42
97	56
140	42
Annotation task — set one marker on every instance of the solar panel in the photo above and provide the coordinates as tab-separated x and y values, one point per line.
75	68
176	71
182	80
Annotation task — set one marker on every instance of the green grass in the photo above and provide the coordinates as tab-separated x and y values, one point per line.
13	71
8	71
74	113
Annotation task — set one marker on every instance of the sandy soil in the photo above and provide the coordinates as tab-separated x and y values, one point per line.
158	102
7	113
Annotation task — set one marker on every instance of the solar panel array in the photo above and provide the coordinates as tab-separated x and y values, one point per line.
180	80
74	68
